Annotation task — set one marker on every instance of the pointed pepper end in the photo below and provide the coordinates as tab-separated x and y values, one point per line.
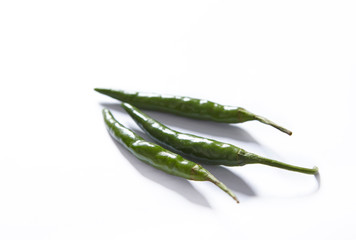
98	89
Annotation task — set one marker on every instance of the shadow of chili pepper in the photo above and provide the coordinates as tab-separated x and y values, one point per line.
181	186
318	180
232	180
207	128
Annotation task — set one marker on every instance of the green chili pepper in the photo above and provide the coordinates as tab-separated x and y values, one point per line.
188	107
159	157
202	149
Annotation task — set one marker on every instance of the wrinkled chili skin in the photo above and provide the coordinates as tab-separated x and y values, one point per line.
184	106
197	148
202	149
193	147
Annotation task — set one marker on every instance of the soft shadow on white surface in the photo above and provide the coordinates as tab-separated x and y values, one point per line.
113	106
231	180
318	180
179	185
213	129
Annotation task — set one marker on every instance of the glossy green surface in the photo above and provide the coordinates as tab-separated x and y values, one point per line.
188	107
205	150
157	156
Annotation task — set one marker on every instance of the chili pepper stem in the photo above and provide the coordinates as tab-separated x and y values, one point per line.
222	186
253	158
269	122
251	116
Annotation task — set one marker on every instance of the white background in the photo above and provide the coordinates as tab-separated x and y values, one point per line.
63	177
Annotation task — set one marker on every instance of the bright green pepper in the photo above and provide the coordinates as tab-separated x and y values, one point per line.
189	107
204	150
159	157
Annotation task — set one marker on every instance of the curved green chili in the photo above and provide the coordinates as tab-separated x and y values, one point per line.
202	149
189	107
159	157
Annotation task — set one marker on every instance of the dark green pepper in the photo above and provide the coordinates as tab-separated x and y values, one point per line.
189	107
204	150
159	157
